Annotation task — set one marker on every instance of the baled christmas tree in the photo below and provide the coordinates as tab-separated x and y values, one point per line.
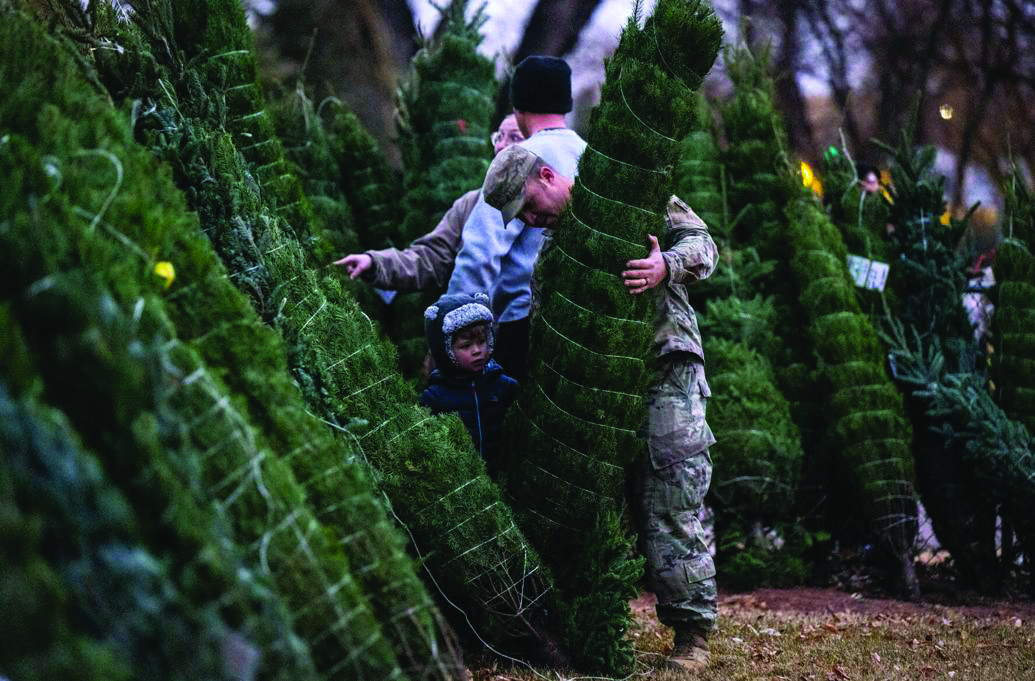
127	368
868	434
574	428
425	465
758	454
1015	310
928	279
443	112
371	186
443	119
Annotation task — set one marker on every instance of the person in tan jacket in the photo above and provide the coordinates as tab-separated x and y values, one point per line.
426	263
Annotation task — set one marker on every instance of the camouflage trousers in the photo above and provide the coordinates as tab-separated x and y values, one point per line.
667	494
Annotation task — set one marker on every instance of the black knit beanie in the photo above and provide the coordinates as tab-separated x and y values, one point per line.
541	85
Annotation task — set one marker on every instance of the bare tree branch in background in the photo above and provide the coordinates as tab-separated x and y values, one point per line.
789	96
554	27
987	74
839	49
356	51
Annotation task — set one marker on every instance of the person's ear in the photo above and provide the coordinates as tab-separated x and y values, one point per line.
546	174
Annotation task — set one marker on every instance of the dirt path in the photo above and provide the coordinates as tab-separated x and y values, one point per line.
819	601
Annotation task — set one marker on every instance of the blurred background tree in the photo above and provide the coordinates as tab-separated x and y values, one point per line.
841	65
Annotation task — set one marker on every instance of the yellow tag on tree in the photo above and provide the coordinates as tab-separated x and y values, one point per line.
165	270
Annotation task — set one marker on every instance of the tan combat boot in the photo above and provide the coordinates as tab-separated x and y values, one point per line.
690	652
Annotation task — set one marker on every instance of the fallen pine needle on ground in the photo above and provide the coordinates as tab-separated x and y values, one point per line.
828	635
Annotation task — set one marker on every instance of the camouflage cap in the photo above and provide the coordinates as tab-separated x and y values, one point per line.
504	187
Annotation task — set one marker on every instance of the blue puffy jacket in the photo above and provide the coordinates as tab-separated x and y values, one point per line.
480	399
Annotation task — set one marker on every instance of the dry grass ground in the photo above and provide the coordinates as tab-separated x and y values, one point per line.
827	635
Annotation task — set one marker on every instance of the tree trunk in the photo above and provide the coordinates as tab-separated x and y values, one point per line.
789	97
554	27
353	50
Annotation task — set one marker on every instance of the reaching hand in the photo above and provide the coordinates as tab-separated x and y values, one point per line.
355	264
643	275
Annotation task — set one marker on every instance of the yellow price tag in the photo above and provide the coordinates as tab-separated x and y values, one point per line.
165	270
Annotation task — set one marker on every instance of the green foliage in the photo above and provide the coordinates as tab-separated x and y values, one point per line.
700	177
1014	268
443	118
309	156
866	427
928	279
753	557
758	456
444	111
469	542
930	273
221	375
371	186
574	427
759	184
991	455
860	216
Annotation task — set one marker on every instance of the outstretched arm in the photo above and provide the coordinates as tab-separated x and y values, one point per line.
424	264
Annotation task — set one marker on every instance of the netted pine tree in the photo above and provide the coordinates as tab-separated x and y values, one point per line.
303	130
928	279
703	182
425	465
108	362
443	111
930	275
999	453
573	429
372	187
102	583
1014	322
757	458
868	433
116	214
760	184
443	118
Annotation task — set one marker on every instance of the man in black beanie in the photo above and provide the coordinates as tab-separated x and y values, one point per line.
540	92
499	257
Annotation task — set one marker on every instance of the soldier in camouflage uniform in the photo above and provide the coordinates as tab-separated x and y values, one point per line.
670	483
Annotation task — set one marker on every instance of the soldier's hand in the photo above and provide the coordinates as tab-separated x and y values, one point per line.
355	264
643	275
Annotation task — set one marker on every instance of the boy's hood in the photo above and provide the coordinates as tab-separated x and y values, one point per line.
447	316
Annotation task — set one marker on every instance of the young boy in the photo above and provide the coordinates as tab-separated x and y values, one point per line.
460	333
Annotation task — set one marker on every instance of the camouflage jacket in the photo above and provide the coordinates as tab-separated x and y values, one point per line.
427	263
690	255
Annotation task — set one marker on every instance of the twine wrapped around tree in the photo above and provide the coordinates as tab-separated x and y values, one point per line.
574	428
469	542
127	368
442	116
1014	322
867	427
